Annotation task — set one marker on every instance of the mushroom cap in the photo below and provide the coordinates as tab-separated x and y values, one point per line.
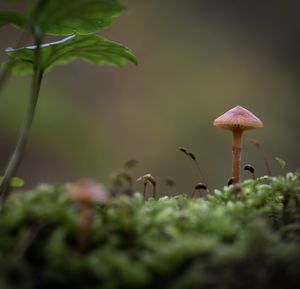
87	190
238	118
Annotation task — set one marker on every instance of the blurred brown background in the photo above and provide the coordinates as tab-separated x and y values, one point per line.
197	59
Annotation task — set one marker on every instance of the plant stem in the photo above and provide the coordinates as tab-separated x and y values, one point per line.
200	171
19	150
144	190
236	155
266	163
154	191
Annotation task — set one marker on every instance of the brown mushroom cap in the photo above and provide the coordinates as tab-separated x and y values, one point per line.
88	191
238	118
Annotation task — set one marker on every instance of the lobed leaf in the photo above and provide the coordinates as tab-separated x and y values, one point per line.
92	48
64	17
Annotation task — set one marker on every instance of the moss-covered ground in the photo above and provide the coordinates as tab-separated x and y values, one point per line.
246	236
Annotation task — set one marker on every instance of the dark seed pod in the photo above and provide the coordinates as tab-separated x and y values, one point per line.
201	186
170	182
230	181
192	156
131	164
182	149
254	142
249	168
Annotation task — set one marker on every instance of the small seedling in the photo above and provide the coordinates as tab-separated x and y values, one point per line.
147	178
263	156
250	169
237	120
198	188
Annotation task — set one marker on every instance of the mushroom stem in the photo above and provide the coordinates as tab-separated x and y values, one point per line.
84	226
236	155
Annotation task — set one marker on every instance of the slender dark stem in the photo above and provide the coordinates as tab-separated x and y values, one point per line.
200	171
19	150
193	193
266	163
144	190
154	191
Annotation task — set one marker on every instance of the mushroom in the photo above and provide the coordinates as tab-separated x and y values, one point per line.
237	119
87	192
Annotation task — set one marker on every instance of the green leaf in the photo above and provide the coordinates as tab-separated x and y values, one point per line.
64	17
15	182
281	162
91	48
11	17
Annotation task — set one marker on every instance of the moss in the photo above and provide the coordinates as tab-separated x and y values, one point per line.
246	236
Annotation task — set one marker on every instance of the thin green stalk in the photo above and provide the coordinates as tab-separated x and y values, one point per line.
19	150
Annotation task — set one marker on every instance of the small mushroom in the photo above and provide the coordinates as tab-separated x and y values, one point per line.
237	120
87	192
147	178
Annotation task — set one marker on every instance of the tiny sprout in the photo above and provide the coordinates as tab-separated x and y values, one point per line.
147	178
230	181
250	169
257	145
199	187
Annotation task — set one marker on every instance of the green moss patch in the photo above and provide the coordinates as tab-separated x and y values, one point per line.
246	236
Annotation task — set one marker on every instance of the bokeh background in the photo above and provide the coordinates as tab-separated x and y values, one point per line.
197	59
